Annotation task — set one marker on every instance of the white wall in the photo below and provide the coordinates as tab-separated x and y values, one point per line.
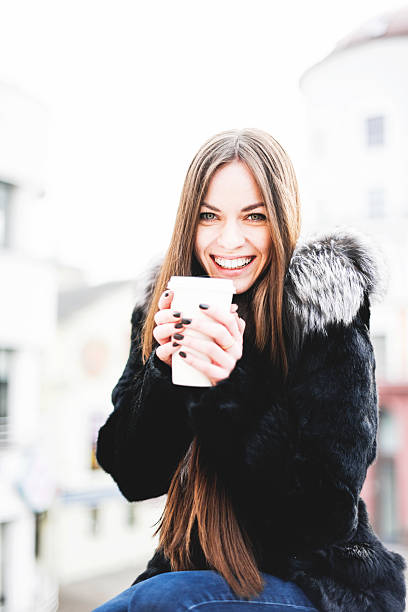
340	93
27	326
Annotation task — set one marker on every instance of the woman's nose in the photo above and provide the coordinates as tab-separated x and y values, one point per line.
231	237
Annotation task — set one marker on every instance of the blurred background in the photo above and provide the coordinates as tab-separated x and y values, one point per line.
102	106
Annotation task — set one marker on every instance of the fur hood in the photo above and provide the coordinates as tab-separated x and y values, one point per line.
328	278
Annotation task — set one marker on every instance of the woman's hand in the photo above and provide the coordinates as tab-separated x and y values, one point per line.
223	347
166	319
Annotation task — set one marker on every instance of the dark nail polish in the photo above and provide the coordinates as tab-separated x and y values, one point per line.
178	325
176	314
178	336
182	354
204	306
176	344
186	321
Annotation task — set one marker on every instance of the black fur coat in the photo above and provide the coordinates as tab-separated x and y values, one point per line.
294	455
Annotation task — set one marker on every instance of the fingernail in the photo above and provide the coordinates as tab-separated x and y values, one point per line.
182	354
176	314
186	321
178	325
178	336
204	306
176	344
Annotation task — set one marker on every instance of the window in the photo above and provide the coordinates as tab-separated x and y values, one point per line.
5	368
97	419
376	203
389	438
5	191
386	503
40	519
387	523
379	344
375	131
131	514
94	516
3	553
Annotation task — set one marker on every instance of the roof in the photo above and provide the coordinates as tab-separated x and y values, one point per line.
72	300
387	25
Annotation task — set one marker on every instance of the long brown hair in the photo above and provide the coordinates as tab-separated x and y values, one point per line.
196	498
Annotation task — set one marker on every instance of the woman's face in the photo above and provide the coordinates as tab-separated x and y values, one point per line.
233	226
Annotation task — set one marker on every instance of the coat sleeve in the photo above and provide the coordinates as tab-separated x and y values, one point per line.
147	434
306	448
334	402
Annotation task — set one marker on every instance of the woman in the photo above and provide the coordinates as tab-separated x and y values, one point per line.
264	468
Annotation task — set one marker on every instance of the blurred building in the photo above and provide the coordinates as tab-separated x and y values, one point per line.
356	102
27	324
94	530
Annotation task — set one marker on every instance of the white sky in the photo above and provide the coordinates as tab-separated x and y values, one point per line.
134	88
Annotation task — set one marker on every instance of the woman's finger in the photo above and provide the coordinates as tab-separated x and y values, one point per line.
213	330
167	315
165	299
166	351
226	319
241	325
163	332
240	322
213	351
214	372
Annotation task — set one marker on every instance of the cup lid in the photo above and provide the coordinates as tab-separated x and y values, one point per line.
201	282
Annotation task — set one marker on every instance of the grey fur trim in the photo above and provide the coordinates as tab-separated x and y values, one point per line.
328	277
146	282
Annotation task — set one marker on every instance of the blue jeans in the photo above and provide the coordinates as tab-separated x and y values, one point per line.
205	591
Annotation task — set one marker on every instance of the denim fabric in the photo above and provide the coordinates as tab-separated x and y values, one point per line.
205	591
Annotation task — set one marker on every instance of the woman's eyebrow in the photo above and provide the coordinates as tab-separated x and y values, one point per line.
250	207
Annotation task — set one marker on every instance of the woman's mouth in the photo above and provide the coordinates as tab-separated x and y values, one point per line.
232	264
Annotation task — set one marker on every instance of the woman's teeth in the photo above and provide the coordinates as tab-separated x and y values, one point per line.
232	264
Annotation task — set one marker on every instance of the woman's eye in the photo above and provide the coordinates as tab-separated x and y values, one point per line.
206	218
262	217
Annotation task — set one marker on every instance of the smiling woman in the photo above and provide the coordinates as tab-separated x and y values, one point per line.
263	470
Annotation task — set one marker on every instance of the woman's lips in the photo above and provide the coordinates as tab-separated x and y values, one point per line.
232	258
235	271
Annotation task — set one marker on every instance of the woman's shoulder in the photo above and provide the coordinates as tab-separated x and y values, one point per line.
331	277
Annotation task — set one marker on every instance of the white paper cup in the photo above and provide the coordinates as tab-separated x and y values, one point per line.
189	292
